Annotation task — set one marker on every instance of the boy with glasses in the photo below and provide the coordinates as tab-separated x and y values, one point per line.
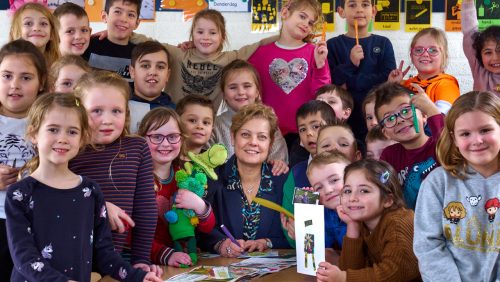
402	116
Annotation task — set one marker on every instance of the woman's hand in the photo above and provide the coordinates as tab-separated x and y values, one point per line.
188	200
259	245
289	225
229	249
357	55
153	268
8	175
396	75
328	272
118	218
320	54
151	277
279	167
178	258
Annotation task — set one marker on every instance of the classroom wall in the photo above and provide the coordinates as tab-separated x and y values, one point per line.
170	28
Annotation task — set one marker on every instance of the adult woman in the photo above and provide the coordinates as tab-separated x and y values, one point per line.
246	175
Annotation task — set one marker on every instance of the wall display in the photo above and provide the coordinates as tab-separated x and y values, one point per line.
230	5
53	4
189	7
264	15
488	13
387	17
328	9
453	15
418	15
94	9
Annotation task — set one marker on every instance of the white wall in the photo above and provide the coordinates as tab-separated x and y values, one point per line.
170	27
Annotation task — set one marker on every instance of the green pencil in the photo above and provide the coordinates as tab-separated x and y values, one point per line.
414	113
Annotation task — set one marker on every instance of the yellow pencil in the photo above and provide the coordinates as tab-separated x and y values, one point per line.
323	34
356	31
421	13
270	205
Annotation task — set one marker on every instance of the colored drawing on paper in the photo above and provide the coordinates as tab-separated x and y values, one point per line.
418	15
189	7
310	234
453	15
264	15
488	13
387	17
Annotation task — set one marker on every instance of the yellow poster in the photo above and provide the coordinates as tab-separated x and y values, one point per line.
328	9
387	17
418	15
265	15
453	15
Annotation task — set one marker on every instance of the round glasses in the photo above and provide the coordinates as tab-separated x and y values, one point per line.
157	139
391	120
419	51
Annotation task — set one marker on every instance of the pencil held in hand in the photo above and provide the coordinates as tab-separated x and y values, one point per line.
356	31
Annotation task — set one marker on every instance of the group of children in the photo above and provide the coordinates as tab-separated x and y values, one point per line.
108	149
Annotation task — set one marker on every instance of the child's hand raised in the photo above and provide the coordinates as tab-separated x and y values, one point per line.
396	75
320	54
188	200
118	218
357	55
178	258
423	102
328	272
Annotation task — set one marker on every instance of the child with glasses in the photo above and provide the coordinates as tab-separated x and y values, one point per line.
429	55
402	117
163	130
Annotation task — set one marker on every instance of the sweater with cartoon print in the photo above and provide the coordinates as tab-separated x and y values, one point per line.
457	234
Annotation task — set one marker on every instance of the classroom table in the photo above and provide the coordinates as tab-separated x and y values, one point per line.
288	275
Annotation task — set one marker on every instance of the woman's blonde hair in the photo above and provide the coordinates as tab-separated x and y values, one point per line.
447	152
63	61
107	79
51	52
440	37
293	5
39	110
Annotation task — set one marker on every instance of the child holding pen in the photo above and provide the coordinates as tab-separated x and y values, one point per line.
359	60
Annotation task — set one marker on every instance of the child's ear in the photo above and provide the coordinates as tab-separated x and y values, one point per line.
104	16
137	23
374	11
31	134
388	201
285	13
347	113
232	139
340	10
131	71
358	155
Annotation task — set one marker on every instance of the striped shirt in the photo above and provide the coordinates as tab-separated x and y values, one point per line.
124	171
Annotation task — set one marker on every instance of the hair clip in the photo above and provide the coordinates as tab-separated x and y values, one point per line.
384	177
77	102
16	4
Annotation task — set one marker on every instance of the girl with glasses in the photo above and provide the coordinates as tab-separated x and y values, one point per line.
429	55
163	130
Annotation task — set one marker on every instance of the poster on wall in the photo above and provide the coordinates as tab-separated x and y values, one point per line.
418	15
453	15
387	17
94	9
189	7
53	4
229	5
328	9
264	15
488	13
